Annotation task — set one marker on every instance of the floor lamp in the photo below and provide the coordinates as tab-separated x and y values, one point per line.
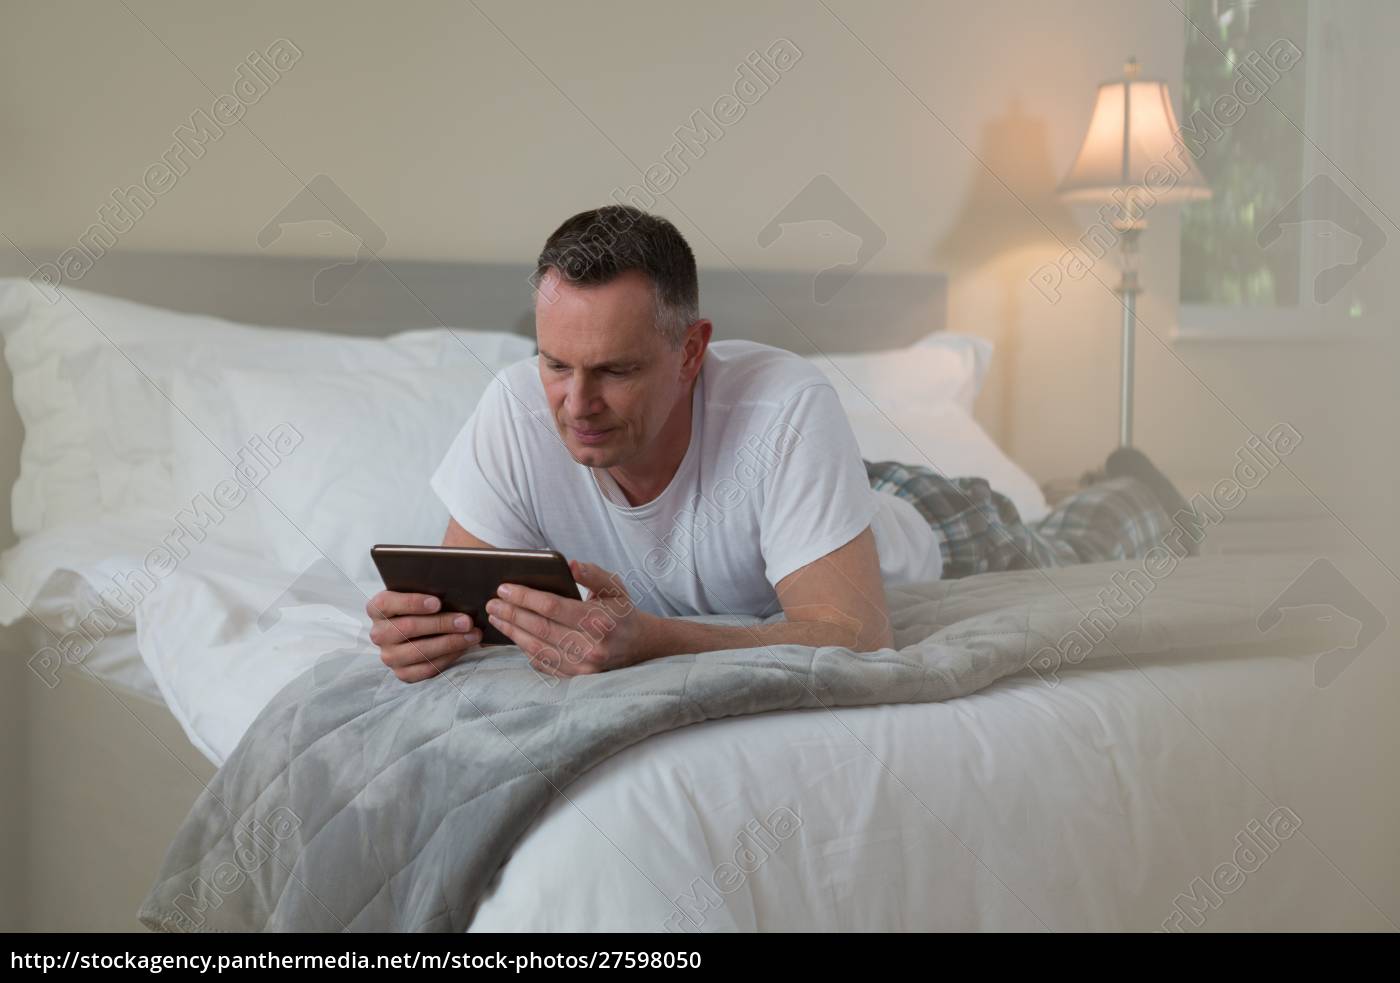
1132	160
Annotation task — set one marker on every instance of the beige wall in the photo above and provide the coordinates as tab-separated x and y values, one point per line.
450	139
443	131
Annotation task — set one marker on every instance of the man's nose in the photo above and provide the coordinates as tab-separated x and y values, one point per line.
581	397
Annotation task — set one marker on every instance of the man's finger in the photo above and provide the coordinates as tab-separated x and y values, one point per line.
426	649
596	579
564	610
548	663
544	657
530	643
536	624
391	604
404	628
426	670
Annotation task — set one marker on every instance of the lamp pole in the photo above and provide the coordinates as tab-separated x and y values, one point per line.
1128	288
1130	226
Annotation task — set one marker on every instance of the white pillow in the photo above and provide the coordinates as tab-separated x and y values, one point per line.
914	405
943	367
370	441
204	432
947	439
100	440
91	376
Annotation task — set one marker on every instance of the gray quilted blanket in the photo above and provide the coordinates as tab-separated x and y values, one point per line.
356	802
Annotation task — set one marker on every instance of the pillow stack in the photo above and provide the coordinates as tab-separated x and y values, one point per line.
135	416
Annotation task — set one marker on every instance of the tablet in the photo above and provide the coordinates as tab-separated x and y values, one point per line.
464	579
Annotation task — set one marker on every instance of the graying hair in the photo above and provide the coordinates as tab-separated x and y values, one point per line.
597	246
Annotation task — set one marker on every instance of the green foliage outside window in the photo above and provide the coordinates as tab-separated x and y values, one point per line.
1254	167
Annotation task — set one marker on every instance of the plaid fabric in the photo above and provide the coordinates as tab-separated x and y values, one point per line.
981	531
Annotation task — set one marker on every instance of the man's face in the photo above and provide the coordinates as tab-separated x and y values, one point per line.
611	379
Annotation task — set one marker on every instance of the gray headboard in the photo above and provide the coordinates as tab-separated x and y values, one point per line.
869	312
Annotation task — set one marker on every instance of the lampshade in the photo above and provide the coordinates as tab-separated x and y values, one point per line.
1134	142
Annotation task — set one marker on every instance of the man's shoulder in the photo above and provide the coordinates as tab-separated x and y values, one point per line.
746	373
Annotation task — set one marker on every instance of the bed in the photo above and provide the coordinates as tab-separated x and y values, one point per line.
1090	804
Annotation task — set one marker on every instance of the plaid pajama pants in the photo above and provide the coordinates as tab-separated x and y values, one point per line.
980	530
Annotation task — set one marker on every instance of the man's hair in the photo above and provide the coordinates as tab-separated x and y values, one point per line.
599	245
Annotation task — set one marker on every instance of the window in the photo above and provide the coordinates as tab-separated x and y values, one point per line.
1280	247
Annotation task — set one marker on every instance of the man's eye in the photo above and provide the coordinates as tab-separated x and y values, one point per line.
556	366
618	373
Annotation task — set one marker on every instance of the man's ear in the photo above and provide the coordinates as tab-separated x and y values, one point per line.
697	339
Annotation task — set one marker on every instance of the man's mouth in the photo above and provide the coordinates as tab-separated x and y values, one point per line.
591	436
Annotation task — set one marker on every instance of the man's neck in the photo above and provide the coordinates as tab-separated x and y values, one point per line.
641	482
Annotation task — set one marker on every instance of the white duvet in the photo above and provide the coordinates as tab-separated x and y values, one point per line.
1019	808
1095	804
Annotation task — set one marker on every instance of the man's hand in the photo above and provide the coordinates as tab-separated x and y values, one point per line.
414	640
836	600
565	637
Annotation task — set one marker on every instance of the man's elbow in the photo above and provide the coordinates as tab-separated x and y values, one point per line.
865	630
870	630
869	633
879	636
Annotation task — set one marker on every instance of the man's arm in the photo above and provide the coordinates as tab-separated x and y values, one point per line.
457	536
838	599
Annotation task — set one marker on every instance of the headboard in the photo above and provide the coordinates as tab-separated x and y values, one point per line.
869	312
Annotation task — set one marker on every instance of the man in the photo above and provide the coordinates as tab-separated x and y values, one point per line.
680	477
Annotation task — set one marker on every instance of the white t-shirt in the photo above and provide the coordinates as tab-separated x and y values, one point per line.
772	480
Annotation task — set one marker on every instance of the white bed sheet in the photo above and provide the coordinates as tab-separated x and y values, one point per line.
58	575
221	636
1091	805
117	659
194	642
